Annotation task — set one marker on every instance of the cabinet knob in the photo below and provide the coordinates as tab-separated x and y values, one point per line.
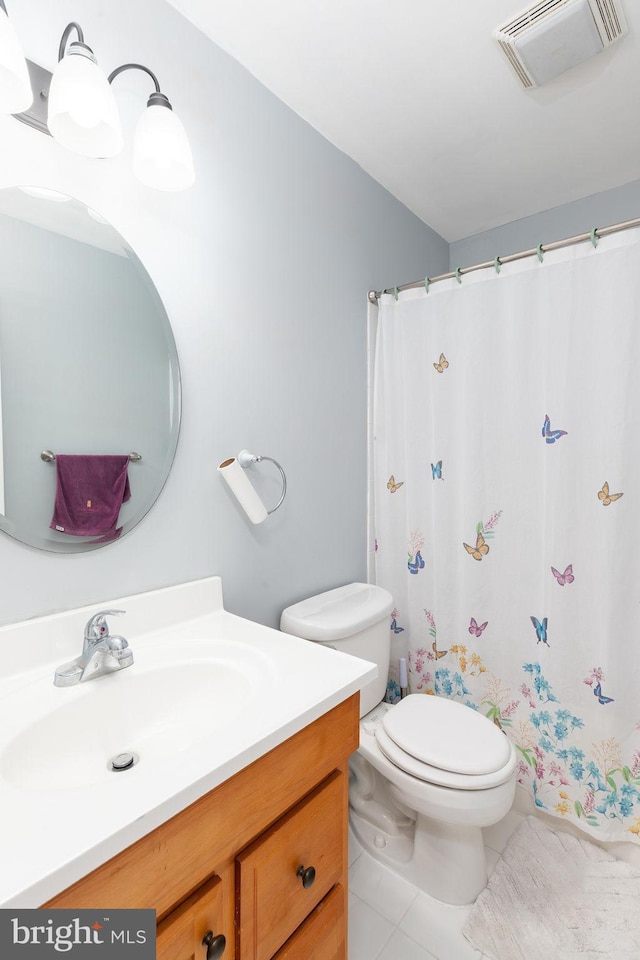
307	874
215	945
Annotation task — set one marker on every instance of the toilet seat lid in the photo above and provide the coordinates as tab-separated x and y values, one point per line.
443	778
447	735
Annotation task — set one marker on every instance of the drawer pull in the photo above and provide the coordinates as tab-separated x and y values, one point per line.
307	874
215	945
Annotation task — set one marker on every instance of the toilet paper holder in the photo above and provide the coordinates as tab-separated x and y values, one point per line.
242	487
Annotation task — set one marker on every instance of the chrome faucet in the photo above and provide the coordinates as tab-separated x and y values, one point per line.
101	653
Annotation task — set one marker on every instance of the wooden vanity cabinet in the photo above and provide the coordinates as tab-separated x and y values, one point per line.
257	868
286	872
188	930
323	935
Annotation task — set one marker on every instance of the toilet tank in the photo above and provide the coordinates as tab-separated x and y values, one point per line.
353	619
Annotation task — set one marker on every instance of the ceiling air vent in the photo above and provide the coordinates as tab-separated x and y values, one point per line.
555	35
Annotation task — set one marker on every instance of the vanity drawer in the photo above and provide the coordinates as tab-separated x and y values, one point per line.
180	935
322	936
272	898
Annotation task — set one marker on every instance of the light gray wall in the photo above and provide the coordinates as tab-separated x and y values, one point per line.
570	219
264	268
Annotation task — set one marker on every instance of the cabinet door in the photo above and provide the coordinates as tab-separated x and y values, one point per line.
285	873
181	934
322	936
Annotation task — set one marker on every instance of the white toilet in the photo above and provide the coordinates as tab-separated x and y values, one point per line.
429	773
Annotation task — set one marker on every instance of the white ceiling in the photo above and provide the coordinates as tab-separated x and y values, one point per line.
419	95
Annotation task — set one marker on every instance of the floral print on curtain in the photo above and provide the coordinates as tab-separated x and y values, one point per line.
506	471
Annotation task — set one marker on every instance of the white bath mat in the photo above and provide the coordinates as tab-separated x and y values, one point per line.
554	897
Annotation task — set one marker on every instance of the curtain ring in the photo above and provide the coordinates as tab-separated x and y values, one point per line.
539	252
497	264
395	293
594	236
457	275
427	284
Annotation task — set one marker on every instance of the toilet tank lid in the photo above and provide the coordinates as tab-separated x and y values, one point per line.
337	613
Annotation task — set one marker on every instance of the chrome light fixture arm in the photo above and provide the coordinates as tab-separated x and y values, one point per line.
157	98
64	40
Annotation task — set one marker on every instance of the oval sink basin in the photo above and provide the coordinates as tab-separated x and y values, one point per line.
155	708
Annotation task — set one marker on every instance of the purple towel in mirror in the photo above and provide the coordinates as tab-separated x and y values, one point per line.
90	489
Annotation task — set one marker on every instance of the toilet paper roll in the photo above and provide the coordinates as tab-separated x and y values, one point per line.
243	490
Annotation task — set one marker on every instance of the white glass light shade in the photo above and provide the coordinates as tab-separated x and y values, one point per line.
161	153
83	115
15	87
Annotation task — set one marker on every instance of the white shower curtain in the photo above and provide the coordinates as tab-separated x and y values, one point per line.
506	499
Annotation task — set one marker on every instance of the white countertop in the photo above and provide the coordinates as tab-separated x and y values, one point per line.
58	821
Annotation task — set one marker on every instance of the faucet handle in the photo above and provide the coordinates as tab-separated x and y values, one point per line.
97	628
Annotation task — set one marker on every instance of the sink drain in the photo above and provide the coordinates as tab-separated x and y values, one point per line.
123	761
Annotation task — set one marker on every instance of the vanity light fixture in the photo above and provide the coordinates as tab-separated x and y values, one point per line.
161	152
15	86
82	115
77	107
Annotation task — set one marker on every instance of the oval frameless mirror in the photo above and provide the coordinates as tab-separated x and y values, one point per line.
88	363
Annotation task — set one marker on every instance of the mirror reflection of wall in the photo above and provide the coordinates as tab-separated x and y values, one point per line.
87	361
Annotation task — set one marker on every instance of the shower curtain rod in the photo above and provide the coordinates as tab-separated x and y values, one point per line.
593	235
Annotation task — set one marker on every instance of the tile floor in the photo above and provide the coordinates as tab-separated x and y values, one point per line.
389	919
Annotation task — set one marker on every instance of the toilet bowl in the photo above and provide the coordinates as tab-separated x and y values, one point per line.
429	773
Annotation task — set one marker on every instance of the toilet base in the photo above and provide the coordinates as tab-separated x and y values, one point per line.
443	860
393	847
